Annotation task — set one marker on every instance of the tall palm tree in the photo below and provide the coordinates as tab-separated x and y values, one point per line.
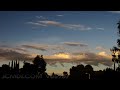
118	43
114	50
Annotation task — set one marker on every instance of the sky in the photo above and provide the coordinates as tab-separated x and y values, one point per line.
64	38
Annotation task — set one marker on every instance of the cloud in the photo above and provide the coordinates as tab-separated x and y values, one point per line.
100	28
42	48
58	56
102	53
4	46
77	27
59	24
115	12
11	55
78	53
56	47
100	48
38	46
79	57
75	44
40	17
47	22
16	48
59	68
99	67
59	15
62	55
20	49
63	58
36	24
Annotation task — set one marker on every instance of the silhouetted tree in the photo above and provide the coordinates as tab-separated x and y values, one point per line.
109	74
77	72
89	70
80	67
118	26
5	68
65	73
29	68
40	63
114	50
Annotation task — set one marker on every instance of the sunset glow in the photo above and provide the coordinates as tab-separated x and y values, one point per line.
62	56
64	38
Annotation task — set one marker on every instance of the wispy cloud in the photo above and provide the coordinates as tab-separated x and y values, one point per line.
42	48
59	24
20	49
51	23
9	54
56	47
40	17
36	24
100	28
4	46
114	12
59	15
75	44
100	48
15	48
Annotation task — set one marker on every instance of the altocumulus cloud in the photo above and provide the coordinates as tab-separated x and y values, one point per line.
61	57
79	57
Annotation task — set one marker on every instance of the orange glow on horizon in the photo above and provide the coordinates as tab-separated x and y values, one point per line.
62	55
